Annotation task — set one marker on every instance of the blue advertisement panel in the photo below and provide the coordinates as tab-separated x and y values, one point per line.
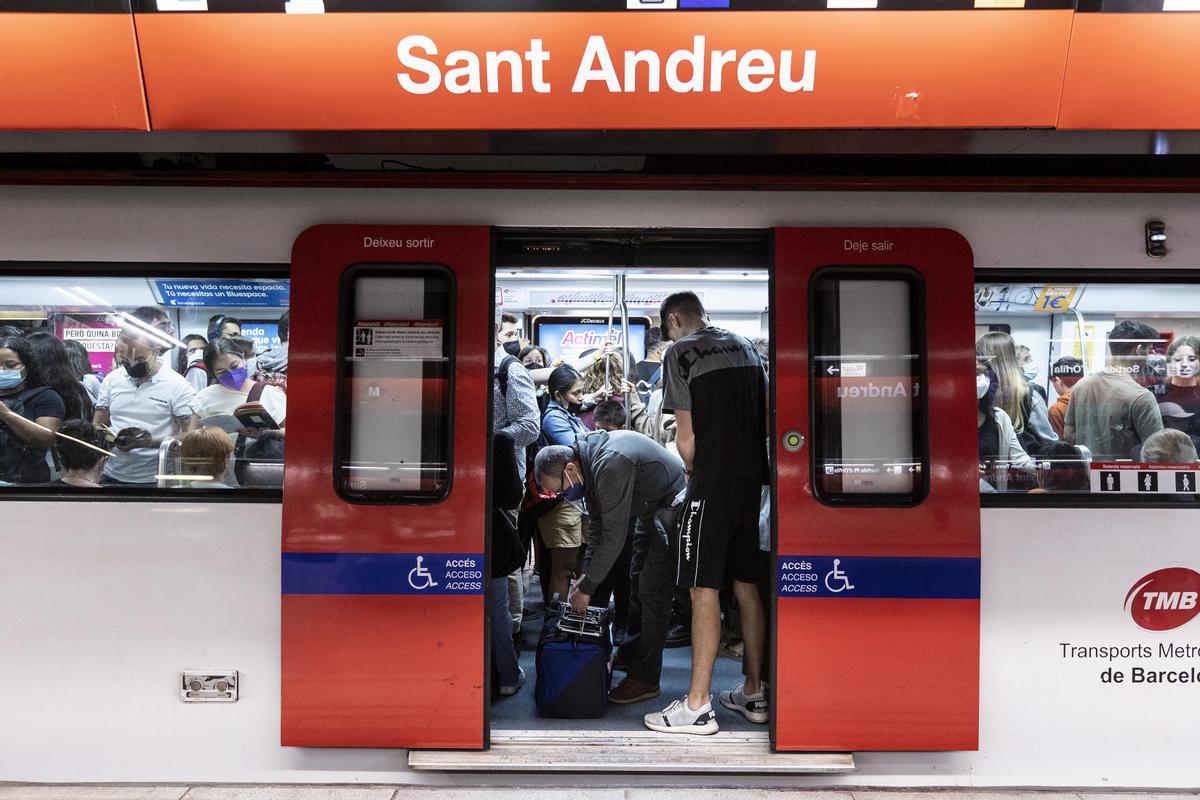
224	292
265	335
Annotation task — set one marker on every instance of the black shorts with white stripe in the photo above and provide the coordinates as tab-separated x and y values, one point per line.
717	537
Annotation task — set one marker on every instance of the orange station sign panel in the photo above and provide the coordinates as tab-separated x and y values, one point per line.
585	71
70	72
1133	71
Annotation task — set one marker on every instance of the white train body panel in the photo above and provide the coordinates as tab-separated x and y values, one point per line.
103	603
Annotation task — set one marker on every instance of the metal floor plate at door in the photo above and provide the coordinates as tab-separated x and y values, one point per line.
630	751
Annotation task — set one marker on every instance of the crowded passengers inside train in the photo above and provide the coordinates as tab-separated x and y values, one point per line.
95	396
1106	374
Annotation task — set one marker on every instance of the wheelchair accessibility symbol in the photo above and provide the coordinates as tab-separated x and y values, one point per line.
836	580
420	578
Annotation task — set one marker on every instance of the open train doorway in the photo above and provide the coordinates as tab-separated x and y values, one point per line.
580	310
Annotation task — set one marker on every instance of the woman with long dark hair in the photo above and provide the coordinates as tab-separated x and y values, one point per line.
233	387
82	362
561	530
30	413
58	372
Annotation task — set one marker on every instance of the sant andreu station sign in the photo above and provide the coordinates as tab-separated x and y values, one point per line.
253	65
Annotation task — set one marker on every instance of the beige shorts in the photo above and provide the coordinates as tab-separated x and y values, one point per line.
562	527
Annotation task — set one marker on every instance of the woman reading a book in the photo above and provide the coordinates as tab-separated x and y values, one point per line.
245	409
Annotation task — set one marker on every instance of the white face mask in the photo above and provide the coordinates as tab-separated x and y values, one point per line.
981	386
1030	371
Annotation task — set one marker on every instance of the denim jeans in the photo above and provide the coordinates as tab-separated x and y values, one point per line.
504	654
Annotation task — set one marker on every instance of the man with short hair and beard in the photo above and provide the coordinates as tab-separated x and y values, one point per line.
1112	411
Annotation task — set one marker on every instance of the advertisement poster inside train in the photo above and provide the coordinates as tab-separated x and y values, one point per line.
570	338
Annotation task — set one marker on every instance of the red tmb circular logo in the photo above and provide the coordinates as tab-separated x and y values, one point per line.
1165	599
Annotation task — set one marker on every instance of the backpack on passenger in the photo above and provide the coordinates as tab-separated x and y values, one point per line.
572	664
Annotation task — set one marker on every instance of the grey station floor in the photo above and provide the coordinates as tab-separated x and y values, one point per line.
268	792
519	712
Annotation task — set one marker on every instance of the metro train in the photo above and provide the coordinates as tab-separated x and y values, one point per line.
945	667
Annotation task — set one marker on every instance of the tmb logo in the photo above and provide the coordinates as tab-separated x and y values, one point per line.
1165	599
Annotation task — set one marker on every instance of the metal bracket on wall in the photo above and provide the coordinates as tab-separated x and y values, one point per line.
208	686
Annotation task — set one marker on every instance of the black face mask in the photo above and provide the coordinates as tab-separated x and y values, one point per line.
574	408
513	348
137	370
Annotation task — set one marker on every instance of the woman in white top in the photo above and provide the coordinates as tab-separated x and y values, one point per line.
232	388
1002	460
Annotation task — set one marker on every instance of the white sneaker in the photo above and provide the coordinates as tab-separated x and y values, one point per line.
752	706
509	691
680	718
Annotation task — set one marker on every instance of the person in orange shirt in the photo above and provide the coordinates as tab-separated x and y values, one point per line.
1064	374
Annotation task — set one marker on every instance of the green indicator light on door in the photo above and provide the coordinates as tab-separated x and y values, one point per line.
793	441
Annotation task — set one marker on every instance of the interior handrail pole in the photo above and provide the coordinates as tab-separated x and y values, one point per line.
625	344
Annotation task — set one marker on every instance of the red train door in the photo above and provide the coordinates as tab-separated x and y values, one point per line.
383	568
877	491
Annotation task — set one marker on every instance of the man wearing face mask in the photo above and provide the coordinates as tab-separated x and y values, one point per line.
613	478
1111	412
143	402
508	337
514	401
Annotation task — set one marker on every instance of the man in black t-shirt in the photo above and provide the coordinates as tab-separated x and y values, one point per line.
714	383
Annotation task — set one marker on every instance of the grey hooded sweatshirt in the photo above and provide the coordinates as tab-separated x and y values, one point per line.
627	476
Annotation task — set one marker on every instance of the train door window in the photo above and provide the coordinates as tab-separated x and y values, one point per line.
173	381
868	410
1089	387
396	346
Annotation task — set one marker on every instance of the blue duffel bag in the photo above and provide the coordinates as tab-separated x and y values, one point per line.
572	664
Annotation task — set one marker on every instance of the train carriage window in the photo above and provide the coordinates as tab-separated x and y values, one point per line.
1089	387
143	383
867	360
396	346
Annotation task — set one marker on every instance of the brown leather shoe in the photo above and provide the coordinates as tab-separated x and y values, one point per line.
631	690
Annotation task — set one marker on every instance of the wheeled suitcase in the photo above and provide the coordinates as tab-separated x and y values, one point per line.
572	663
